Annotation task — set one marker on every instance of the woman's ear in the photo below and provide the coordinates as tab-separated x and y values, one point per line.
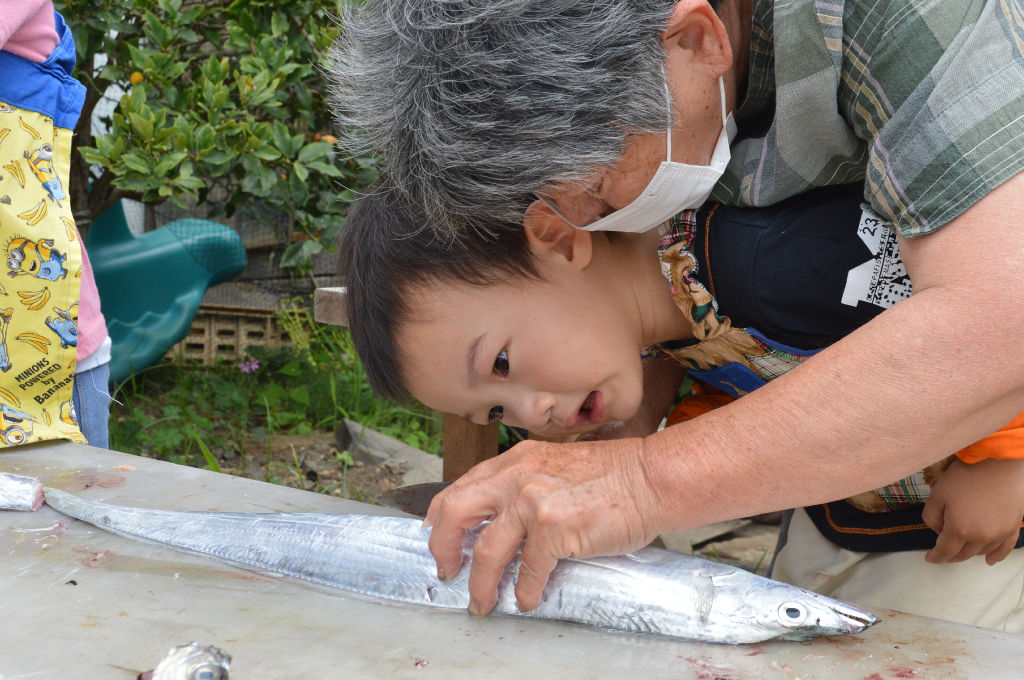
695	28
548	235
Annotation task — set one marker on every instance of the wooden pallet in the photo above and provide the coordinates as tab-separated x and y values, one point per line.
226	333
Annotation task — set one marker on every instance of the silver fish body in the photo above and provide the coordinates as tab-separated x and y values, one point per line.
650	591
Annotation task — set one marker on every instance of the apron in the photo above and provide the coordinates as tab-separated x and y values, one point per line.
39	289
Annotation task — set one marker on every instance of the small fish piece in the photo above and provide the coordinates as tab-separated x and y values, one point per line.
650	591
18	492
192	662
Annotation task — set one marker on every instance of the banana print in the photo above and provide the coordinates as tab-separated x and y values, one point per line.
34	299
28	128
14	167
70	226
39	333
35	340
7	396
35	215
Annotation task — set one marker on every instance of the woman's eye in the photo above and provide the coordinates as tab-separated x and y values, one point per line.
501	364
495	414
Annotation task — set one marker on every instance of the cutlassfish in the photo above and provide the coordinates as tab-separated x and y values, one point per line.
649	591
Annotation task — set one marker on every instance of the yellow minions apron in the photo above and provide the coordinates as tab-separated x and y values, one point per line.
39	287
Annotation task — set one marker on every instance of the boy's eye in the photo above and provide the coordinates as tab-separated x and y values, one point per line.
501	364
495	414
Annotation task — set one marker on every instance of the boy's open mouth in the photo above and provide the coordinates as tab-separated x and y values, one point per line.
590	411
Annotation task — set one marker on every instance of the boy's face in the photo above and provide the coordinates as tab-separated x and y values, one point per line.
555	356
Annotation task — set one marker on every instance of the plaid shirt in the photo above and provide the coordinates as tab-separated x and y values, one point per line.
923	101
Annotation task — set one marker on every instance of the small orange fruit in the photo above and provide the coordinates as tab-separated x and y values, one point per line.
330	139
136	77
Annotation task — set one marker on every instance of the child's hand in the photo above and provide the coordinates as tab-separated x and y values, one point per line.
976	509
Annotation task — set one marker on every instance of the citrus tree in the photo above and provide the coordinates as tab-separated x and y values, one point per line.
217	95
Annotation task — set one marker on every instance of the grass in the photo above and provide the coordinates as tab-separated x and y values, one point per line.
196	415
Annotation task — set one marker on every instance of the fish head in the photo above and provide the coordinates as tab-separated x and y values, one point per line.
192	662
798	614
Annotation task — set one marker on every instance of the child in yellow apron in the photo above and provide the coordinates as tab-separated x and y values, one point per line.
39	288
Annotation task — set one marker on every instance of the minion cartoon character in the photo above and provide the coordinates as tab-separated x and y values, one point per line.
41	260
65	325
41	163
15	425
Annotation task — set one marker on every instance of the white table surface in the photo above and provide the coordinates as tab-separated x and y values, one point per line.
86	603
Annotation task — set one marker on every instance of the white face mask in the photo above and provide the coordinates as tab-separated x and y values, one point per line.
675	186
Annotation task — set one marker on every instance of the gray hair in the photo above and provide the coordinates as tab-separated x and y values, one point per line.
474	105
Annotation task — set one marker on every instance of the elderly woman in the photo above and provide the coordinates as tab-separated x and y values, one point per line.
616	115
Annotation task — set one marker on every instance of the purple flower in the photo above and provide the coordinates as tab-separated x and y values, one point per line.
250	366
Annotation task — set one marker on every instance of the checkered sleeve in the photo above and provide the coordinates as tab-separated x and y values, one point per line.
937	90
921	101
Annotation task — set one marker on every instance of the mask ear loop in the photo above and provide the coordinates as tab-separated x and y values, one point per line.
668	134
668	98
721	90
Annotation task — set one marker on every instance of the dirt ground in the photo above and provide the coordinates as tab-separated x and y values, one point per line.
313	463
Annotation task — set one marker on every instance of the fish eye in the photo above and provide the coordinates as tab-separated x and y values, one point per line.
495	414
501	367
207	671
792	613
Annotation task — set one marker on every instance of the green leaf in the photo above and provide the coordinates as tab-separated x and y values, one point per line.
135	162
205	137
143	127
267	153
168	162
278	24
314	151
300	395
92	156
207	455
292	369
324	168
299	253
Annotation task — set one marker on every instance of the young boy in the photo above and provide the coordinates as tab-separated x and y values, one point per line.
543	327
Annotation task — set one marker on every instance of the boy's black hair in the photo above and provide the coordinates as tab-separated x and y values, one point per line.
387	252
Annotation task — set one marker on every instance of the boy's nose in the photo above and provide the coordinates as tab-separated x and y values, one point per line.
537	410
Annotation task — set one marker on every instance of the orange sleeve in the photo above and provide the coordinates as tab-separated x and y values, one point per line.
703	398
1005	443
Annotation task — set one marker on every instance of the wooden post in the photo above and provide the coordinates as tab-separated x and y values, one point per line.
465	445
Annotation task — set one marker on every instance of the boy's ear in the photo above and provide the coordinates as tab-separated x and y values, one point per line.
547	235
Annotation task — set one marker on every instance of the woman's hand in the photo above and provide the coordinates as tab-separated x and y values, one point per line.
564	500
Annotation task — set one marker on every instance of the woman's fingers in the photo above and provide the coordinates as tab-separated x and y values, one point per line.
451	513
494	549
538	561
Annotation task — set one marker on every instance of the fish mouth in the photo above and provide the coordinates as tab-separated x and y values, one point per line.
844	620
853	620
